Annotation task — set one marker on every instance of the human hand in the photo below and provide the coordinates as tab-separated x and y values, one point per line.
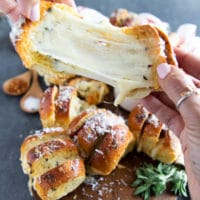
185	122
28	8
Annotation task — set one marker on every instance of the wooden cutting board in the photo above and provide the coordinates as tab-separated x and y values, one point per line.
116	186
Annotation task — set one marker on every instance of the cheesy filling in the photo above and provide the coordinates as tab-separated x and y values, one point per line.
99	51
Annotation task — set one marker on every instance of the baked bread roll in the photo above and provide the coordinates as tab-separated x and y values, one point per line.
125	58
91	90
153	137
60	181
47	134
102	138
52	162
59	105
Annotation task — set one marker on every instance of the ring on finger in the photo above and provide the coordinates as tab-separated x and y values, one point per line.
186	95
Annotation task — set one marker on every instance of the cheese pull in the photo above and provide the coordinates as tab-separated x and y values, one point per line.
62	44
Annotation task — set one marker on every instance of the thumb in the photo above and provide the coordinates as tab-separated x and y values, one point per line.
176	83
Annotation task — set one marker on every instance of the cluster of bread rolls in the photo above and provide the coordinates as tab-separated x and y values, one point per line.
153	137
87	139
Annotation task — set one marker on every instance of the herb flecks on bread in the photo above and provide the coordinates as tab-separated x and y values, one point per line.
62	43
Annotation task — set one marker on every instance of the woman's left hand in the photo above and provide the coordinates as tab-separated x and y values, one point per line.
28	8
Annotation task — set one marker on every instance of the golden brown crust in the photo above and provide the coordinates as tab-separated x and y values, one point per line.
23	46
63	105
150	134
59	106
39	137
153	45
31	59
136	120
46	134
44	150
168	48
62	175
52	162
109	152
47	108
91	90
168	149
87	144
78	122
153	137
102	139
124	18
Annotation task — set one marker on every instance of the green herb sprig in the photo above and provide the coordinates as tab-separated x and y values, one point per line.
154	180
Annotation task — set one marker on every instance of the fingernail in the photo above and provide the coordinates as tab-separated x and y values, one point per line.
163	70
35	12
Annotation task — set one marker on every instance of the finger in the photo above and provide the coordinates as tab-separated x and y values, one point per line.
189	62
10	8
30	9
161	96
175	83
168	116
195	81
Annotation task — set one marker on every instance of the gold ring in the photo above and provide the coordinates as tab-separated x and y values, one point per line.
184	96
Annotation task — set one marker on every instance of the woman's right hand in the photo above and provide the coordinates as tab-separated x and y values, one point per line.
183	117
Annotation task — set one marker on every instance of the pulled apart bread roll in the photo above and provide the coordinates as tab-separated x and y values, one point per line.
102	138
153	137
59	105
91	90
62	43
52	162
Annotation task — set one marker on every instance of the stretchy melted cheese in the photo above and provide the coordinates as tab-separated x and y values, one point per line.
125	58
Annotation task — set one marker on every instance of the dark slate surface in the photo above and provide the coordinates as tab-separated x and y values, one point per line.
15	125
